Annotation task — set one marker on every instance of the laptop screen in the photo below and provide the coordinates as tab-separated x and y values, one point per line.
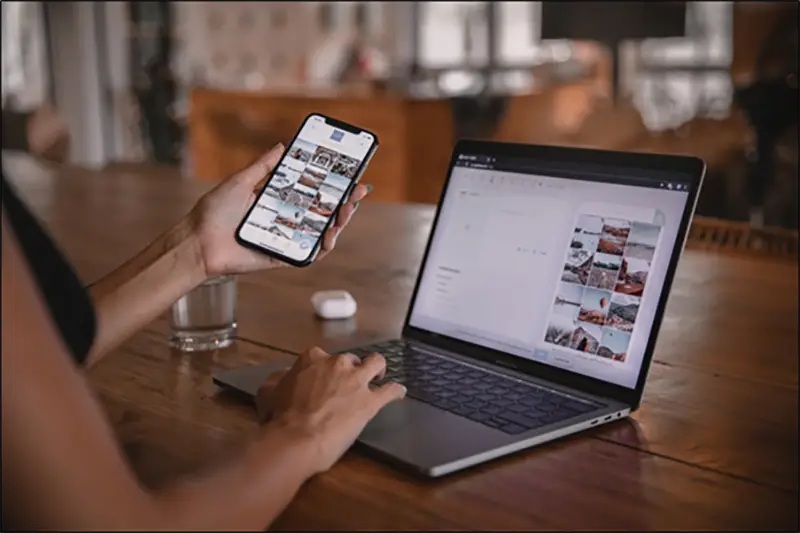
558	264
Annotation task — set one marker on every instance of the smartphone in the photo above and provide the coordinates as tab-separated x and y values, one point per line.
306	189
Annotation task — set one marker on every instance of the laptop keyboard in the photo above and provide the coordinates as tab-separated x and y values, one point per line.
493	400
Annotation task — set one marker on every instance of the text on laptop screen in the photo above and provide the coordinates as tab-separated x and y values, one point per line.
566	271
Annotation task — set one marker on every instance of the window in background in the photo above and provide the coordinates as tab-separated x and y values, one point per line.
520	44
670	98
453	40
454	37
519	36
457	34
453	45
453	34
25	82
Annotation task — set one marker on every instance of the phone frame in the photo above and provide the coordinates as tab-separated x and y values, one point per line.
314	252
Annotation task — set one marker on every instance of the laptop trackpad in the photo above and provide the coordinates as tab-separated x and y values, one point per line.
425	437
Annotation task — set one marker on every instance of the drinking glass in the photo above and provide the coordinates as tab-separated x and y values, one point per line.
205	318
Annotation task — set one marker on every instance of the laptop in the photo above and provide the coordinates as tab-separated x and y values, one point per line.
537	305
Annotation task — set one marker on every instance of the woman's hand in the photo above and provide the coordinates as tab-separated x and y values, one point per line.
327	399
217	215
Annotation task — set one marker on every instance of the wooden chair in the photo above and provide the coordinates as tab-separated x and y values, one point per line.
740	237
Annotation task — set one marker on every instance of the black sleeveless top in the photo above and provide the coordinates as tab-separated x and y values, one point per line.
67	300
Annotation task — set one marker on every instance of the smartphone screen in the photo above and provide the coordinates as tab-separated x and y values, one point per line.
318	169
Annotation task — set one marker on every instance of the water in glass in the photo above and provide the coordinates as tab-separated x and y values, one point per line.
205	318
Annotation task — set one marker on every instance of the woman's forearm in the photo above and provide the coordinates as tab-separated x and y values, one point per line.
245	494
76	478
137	292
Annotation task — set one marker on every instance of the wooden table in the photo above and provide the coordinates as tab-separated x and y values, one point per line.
714	446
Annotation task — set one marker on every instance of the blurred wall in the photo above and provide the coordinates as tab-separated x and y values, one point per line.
283	45
270	45
753	25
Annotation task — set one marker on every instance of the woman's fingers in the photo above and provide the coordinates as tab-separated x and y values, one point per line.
347	210
347	360
314	354
360	192
373	367
343	217
345	214
388	393
260	185
329	240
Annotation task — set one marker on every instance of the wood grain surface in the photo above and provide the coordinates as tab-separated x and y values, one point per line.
714	446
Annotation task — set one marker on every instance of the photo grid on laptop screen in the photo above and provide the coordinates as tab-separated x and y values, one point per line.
564	271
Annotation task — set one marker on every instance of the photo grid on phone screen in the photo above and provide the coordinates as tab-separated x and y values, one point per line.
601	285
303	194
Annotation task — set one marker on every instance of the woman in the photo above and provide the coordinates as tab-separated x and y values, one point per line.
63	469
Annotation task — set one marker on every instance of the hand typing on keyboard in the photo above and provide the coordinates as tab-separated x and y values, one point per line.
491	399
327	400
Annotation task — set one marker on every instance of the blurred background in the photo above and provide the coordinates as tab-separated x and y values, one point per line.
197	90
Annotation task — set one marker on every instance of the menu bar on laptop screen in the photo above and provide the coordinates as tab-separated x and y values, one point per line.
637	177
